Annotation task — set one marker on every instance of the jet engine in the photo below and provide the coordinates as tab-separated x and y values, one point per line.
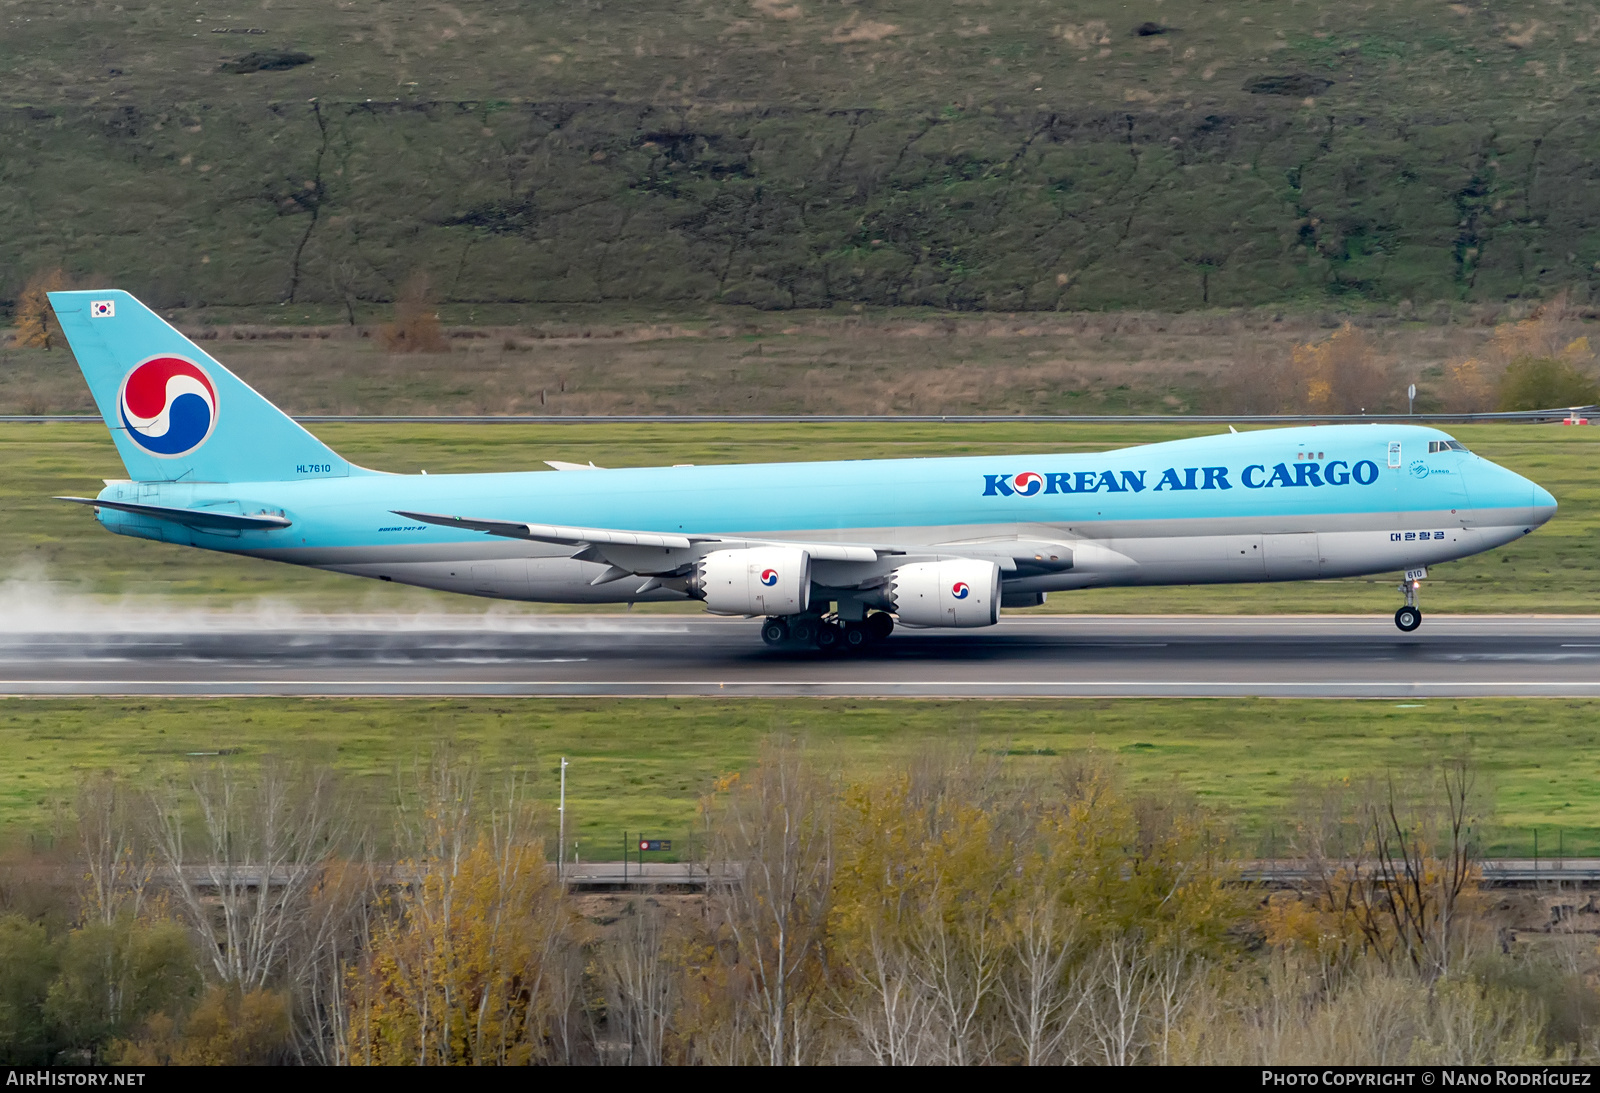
758	581
959	592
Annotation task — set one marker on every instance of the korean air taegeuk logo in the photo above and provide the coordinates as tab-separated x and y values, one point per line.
168	405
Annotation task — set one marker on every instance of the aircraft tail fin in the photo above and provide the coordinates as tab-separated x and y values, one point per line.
174	412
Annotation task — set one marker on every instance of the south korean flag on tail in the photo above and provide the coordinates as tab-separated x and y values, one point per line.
102	309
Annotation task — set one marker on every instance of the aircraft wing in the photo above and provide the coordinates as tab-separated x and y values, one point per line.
615	537
552	533
195	518
1026	556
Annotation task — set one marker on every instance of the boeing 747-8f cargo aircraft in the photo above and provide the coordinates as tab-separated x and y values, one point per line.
828	554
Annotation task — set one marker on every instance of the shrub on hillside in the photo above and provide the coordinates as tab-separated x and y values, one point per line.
1342	375
1541	383
35	324
1551	335
416	320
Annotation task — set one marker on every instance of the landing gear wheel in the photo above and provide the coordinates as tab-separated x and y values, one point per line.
829	637
878	625
803	631
774	632
856	636
1409	617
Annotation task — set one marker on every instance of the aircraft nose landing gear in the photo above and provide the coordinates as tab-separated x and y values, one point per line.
1409	617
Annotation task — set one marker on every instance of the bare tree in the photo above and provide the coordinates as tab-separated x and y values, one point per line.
887	1007
335	927
1403	869
775	836
1042	1003
245	882
641	989
1120	1002
117	874
117	863
1173	980
572	1032
957	949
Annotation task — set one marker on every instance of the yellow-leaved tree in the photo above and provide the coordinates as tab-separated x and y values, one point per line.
459	971
979	920
415	328
1342	374
1540	362
35	323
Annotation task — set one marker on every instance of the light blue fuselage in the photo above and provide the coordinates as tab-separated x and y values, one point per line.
1276	504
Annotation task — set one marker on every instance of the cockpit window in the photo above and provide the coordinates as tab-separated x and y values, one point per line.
1446	446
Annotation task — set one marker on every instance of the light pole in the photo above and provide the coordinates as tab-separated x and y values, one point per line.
561	824
1411	399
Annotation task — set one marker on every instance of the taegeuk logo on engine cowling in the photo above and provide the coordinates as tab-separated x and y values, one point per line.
769	577
168	405
960	590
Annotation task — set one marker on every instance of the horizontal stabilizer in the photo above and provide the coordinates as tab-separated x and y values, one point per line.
194	518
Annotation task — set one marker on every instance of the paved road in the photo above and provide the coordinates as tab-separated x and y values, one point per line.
1304	656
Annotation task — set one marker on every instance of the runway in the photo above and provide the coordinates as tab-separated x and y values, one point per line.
631	656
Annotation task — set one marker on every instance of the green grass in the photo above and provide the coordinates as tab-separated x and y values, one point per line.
1555	570
642	765
615	360
1016	154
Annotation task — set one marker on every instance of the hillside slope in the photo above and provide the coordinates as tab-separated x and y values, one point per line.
950	153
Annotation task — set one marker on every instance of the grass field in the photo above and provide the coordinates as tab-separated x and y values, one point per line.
1011	154
642	765
54	548
626	361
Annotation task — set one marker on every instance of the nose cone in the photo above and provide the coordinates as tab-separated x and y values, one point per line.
1544	505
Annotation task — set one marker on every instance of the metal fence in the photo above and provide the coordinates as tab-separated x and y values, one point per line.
1560	413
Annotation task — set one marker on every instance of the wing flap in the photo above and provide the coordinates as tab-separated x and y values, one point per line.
554	533
551	533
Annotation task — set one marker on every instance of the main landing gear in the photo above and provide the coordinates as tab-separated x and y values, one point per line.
827	634
1409	617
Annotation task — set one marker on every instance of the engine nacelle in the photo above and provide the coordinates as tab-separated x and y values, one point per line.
758	581
960	592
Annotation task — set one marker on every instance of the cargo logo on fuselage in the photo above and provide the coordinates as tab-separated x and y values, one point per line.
1255	476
